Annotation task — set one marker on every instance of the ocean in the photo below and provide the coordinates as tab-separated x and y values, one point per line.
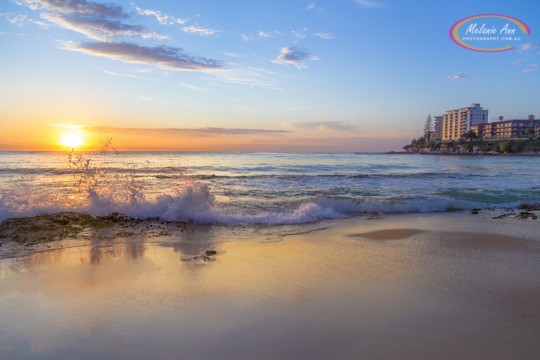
260	188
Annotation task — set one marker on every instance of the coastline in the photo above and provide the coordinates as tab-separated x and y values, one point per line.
462	153
424	286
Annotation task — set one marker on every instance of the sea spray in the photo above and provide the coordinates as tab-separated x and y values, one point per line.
104	188
239	188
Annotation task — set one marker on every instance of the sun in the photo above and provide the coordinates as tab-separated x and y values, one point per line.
72	139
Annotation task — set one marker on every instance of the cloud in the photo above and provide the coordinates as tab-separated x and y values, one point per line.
18	20
21	20
199	30
97	21
109	72
246	38
298	35
325	126
99	28
232	54
163	19
163	56
457	77
193	88
325	36
294	56
527	47
369	4
251	77
79	7
518	61
267	35
314	6
193	132
530	68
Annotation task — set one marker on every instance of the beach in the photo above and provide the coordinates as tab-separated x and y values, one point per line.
422	286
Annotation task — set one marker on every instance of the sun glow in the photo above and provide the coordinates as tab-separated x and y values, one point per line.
72	139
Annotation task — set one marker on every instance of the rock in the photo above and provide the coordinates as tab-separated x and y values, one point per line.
475	211
529	207
526	215
502	216
210	252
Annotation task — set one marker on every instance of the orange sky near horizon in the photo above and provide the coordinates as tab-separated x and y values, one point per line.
49	137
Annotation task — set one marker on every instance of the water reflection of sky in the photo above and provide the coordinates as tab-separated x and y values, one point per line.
319	295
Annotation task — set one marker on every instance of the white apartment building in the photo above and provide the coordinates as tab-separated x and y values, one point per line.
457	122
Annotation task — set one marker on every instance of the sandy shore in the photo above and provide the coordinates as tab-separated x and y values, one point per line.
417	286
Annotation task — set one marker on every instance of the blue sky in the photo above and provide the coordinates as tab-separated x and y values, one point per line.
341	75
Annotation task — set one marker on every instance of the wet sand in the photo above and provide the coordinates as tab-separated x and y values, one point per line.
438	286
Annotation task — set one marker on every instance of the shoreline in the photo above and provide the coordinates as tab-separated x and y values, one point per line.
459	154
119	229
423	286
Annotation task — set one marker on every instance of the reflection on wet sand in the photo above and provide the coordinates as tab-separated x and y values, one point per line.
315	295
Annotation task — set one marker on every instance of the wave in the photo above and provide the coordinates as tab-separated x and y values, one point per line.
195	202
99	187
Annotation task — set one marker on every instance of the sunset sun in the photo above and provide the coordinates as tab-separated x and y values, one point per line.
72	139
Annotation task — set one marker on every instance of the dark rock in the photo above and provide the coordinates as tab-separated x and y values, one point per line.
526	215
210	252
529	207
475	211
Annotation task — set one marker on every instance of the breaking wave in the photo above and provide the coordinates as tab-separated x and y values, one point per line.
235	196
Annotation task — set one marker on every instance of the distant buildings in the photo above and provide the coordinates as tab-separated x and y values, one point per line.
437	128
455	123
507	129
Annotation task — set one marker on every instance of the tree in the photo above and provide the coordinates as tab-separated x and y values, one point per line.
427	129
470	135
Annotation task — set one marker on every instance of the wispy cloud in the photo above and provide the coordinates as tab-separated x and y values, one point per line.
162	18
232	54
518	61
314	6
294	56
99	28
109	72
97	21
298	35
79	7
369	4
325	126
200	30
267	34
457	77
21	20
530	68
163	56
194	88
193	132
18	20
251	77
106	23
527	47
246	38
325	36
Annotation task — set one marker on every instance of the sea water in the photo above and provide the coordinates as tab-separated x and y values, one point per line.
262	188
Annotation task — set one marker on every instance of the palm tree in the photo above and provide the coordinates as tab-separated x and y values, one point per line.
471	135
531	127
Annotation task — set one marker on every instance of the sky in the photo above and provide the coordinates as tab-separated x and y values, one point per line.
259	75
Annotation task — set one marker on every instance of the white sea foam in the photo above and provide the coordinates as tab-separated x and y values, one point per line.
261	188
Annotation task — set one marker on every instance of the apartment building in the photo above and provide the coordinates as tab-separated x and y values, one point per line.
507	129
457	122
